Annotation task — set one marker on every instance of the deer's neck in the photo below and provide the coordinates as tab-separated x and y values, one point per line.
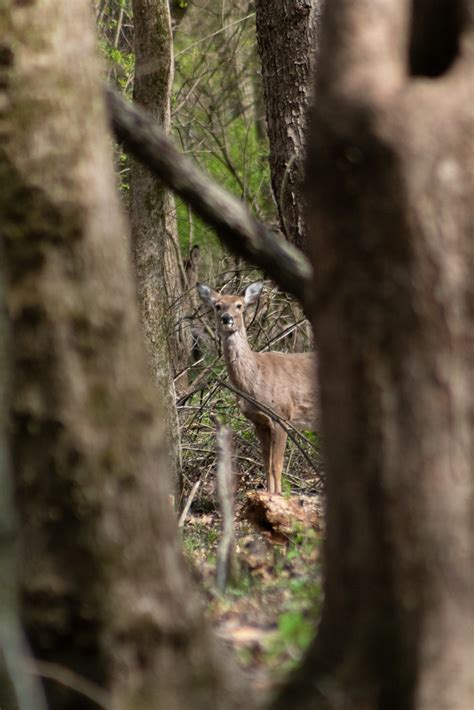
240	361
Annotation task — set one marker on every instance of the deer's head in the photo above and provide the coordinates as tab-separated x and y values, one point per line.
229	309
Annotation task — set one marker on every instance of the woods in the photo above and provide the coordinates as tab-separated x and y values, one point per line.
111	375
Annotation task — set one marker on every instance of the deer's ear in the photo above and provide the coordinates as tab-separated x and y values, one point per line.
207	294
252	293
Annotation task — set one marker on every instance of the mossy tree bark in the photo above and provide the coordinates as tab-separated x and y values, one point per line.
104	588
390	184
154	229
287	33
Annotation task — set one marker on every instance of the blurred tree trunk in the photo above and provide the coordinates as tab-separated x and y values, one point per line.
105	591
287	43
154	229
18	688
390	184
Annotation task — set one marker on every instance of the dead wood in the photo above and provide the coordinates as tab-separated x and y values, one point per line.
279	516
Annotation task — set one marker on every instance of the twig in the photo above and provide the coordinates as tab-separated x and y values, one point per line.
198	382
119	27
72	680
189	502
27	691
213	34
282	335
203	404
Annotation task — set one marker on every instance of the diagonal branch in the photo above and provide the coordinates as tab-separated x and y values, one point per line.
234	224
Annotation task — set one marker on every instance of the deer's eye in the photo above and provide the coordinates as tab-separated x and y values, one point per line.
218	306
239	306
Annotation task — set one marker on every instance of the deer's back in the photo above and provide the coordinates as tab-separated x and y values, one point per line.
287	383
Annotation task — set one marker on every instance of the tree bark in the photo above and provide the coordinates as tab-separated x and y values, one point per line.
153	219
390	184
287	34
18	689
105	592
154	228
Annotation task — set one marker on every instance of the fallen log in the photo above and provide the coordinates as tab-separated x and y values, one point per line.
282	517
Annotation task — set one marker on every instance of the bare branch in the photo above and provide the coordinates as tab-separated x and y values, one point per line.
69	679
189	502
213	34
235	226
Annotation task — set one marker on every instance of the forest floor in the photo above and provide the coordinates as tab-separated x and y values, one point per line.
268	614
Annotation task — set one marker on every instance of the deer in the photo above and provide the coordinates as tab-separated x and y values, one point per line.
282	382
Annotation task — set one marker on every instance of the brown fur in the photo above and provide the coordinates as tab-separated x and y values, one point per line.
284	382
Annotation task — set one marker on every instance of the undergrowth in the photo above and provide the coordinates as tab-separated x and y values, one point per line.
269	616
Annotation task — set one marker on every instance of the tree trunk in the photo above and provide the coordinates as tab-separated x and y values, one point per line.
390	183
104	589
18	689
287	42
154	229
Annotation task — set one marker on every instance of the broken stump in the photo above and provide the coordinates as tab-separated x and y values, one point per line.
279	516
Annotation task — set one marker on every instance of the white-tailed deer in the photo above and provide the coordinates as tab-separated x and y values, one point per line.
284	382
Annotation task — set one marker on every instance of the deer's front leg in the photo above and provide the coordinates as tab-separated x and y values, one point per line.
278	444
264	435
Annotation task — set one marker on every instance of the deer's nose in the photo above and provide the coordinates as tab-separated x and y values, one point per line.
227	319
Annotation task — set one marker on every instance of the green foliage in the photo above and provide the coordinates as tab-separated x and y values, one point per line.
286	488
314	438
207	123
296	622
295	631
245	586
201	536
213	116
242	172
114	44
284	588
